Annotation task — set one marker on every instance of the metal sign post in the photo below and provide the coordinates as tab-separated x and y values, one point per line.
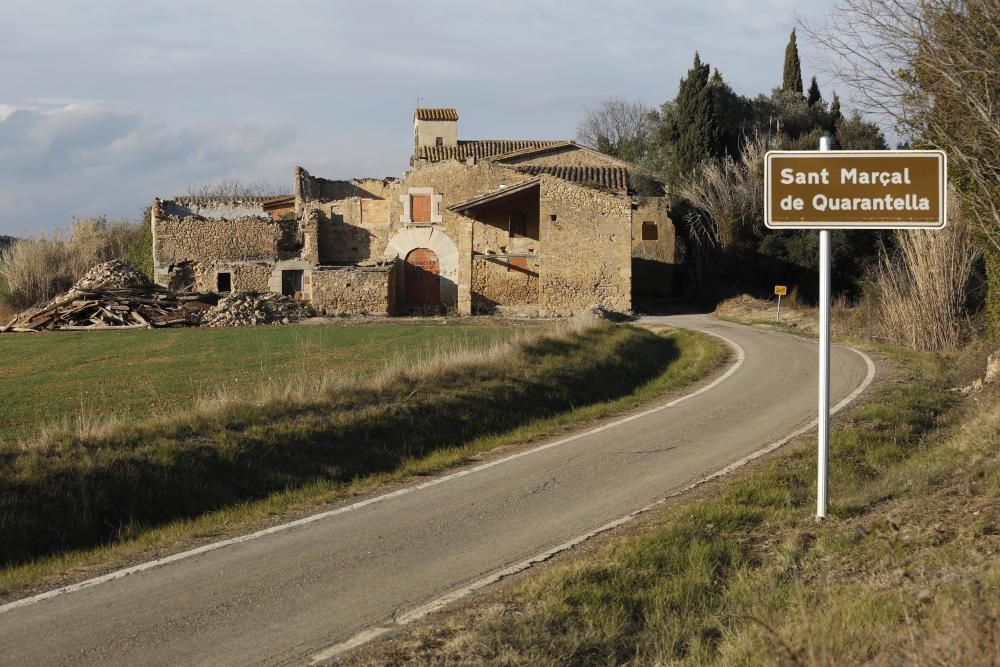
823	424
827	190
780	290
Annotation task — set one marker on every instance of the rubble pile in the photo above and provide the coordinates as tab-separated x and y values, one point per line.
114	295
112	275
244	309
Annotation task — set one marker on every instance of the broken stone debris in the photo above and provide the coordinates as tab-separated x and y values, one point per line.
114	295
246	309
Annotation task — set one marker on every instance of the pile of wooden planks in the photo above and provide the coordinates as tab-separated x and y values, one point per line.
115	308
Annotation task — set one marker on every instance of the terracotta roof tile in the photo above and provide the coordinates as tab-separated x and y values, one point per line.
609	178
478	149
437	114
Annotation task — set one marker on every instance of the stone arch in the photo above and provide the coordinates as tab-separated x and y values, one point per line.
411	238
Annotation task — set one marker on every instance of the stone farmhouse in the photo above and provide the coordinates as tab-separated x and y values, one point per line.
483	226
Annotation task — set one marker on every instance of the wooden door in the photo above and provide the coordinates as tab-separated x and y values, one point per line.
421	270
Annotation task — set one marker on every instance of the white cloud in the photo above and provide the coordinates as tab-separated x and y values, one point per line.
86	160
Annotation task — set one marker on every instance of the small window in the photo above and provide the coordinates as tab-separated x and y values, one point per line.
224	282
439	141
420	208
518	224
649	232
291	282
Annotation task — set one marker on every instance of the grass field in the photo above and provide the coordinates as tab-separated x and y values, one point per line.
905	570
69	376
91	486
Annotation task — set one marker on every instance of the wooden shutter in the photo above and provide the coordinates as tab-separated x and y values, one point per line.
420	208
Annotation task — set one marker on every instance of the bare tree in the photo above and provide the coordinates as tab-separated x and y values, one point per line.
617	127
933	67
235	187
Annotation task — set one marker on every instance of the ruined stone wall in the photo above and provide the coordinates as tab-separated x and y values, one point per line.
313	188
571	156
354	290
586	250
653	262
183	238
503	281
351	230
245	276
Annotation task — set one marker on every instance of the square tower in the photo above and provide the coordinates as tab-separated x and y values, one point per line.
435	127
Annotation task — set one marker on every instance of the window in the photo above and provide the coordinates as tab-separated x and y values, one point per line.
439	141
649	232
224	282
420	208
291	282
518	224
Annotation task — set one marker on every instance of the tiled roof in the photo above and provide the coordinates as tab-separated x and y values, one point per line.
610	178
478	149
437	114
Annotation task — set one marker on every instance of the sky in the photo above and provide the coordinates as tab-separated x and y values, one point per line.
105	105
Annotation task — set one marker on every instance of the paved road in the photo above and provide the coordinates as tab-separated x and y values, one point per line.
283	597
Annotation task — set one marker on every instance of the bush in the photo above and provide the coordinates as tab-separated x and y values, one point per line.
140	251
39	268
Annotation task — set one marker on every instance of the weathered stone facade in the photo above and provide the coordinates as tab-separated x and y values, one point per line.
653	259
351	290
545	224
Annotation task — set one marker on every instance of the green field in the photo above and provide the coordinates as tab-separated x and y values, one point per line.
49	378
82	488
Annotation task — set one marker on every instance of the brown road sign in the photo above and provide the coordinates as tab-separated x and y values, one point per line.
855	189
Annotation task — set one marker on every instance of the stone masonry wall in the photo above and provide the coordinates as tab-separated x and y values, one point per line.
456	182
501	281
586	250
653	262
354	290
245	276
182	238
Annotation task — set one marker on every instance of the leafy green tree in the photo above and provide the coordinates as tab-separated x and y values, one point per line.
857	134
792	80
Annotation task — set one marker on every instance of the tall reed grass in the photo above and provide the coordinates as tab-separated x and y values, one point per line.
38	268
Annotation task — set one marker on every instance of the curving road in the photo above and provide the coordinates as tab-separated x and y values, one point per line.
308	591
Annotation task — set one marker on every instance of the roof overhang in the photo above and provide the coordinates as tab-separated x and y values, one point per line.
495	197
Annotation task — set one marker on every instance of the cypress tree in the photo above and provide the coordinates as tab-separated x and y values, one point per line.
792	81
835	114
814	94
697	132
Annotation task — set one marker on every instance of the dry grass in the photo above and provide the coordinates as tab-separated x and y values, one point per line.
845	320
39	268
917	298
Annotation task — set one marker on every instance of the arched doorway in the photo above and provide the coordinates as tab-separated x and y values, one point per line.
421	282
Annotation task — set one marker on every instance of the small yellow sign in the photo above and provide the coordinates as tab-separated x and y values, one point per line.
781	290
